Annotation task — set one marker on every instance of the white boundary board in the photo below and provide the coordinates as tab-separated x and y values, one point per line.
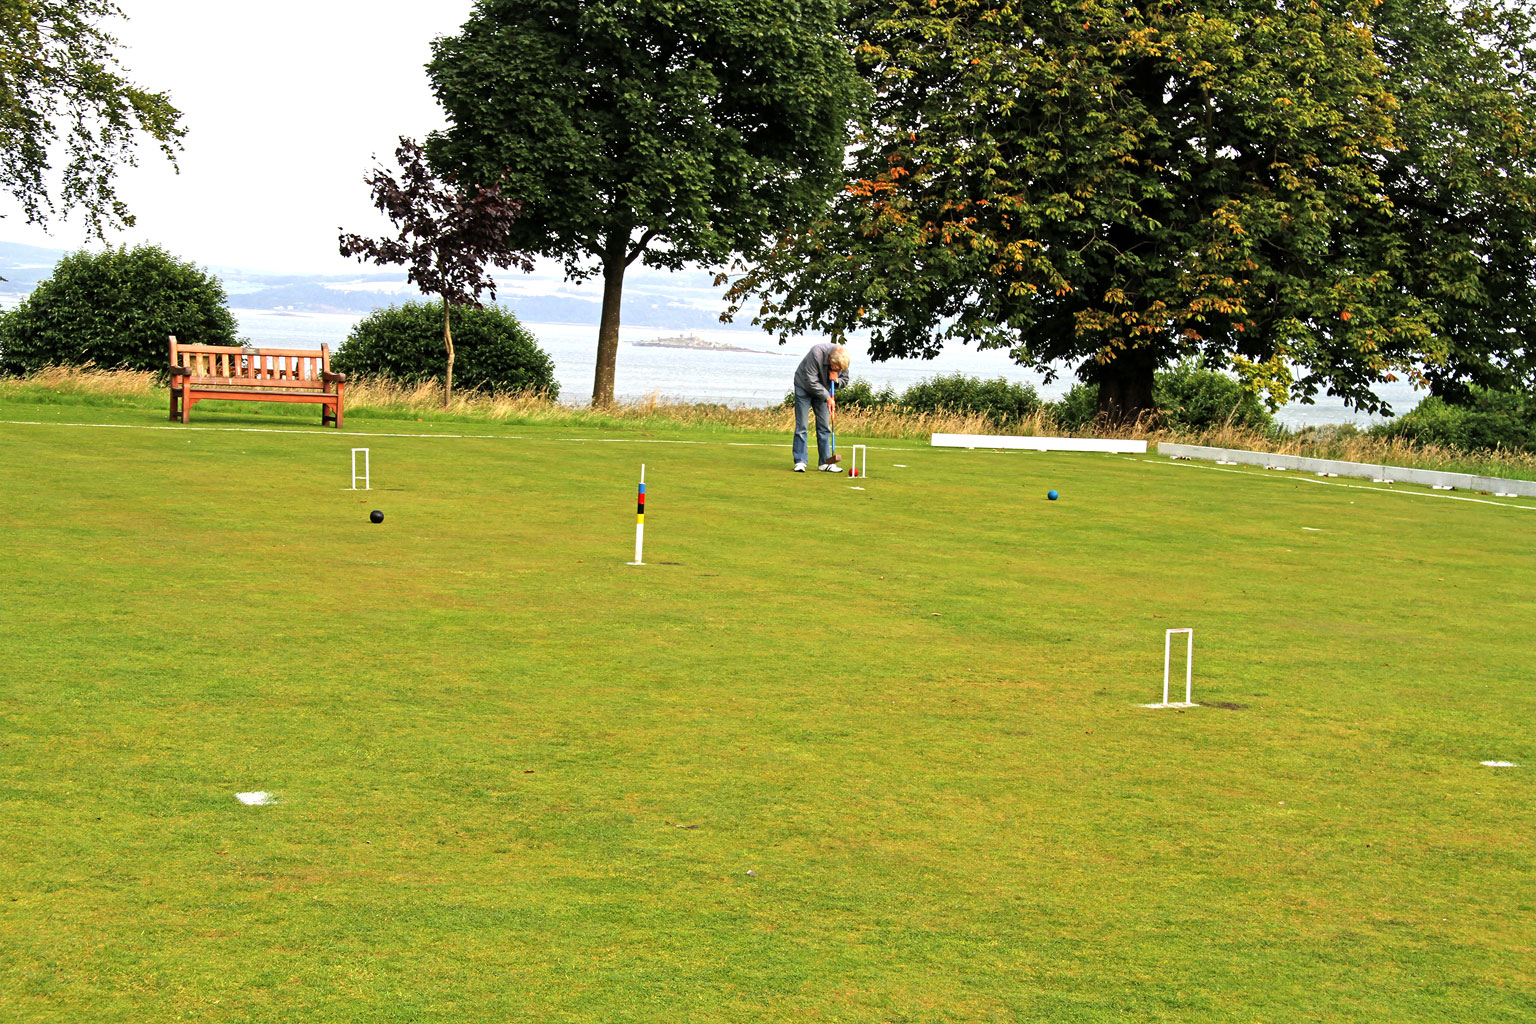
1040	444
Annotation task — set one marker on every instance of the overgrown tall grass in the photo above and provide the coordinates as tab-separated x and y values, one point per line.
388	399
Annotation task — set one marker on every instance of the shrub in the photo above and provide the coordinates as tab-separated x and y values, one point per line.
1327	433
1489	419
1000	400
856	393
116	309
1187	396
1190	397
859	393
492	351
1078	408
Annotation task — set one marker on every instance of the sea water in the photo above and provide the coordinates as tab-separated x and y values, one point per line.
758	377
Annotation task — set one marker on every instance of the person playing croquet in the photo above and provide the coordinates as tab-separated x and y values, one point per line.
815	379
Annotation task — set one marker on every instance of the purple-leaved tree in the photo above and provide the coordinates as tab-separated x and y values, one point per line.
448	234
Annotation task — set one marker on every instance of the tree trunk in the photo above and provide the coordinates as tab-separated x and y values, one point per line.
448	343
1125	385
614	265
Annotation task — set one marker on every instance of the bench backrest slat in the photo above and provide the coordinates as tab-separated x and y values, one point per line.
253	367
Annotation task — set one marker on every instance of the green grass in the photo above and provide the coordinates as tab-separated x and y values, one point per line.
520	780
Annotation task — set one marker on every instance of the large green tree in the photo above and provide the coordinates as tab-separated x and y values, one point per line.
1120	186
668	131
62	93
1462	182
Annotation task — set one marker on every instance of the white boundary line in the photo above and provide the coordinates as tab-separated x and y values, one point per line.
461	437
1267	478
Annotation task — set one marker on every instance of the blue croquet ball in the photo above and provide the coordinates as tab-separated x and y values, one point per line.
1049	494
378	517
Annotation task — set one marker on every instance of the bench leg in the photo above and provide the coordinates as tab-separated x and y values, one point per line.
186	407
331	411
174	396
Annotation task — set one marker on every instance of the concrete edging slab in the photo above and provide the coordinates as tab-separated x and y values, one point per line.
1365	470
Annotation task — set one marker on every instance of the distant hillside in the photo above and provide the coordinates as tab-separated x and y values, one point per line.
653	298
23	266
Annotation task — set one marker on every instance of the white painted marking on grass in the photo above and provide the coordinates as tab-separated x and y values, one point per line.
855	488
254	799
1312	529
1172	704
1499	764
431	437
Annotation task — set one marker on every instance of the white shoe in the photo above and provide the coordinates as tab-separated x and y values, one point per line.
829	468
799	467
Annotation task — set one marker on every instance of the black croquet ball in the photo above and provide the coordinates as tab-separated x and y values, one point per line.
375	516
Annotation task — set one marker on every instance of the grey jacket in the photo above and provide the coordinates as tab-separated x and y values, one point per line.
814	374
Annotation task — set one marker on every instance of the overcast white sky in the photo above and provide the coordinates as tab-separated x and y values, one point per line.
286	103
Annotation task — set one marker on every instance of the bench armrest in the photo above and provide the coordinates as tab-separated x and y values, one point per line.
180	371
333	378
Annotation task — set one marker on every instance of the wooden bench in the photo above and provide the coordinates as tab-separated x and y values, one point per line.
254	375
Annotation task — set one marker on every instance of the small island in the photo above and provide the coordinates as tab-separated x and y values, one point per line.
693	341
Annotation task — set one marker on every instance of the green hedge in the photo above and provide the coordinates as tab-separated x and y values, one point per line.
1188	396
1002	401
860	394
492	350
1488	419
115	309
1078	408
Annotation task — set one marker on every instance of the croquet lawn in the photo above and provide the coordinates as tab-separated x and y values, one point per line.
830	754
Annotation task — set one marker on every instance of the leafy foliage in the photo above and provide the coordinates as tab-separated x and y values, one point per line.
1123	186
1186	396
61	88
115	308
494	351
447	236
1463	181
1078	408
1486	419
1193	397
1000	400
858	393
668	131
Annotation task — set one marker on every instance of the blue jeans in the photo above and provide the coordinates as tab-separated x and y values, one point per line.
804	402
